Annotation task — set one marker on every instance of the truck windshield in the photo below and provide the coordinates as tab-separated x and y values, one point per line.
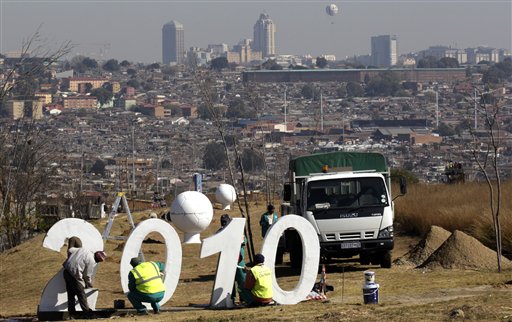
341	193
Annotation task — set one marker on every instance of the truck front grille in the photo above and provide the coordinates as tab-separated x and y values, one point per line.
349	236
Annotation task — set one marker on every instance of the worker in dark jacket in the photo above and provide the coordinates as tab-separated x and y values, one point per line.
267	220
258	284
146	284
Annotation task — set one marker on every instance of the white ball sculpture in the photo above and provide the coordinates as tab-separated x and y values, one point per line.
225	195
191	212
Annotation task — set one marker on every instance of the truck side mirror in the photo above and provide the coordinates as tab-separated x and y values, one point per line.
403	185
287	192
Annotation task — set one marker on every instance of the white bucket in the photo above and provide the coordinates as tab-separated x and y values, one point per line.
369	277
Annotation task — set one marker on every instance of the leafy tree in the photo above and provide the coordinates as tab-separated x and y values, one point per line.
448	62
428	62
271	64
219	63
498	72
90	63
133	83
321	62
102	94
153	66
384	84
125	63
433	62
354	89
111	65
341	91
205	113
214	157
169	70
238	109
131	71
98	167
446	130
252	160
309	91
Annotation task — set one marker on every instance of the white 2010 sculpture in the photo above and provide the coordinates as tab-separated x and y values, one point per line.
54	295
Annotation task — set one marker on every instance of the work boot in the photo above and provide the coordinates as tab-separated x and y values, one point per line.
144	312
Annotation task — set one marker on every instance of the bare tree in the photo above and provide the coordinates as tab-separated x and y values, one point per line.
26	153
203	79
485	151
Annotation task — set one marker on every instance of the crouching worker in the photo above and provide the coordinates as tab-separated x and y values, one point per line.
145	283
258	284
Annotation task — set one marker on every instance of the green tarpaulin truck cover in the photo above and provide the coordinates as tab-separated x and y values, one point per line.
338	161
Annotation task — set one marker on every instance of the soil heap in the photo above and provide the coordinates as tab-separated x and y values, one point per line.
464	252
428	245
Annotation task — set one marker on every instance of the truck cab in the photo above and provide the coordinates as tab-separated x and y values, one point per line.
351	210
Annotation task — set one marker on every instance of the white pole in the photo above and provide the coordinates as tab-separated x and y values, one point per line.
133	156
476	124
285	126
321	112
437	109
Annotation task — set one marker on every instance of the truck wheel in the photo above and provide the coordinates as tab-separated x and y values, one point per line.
280	255
364	259
385	261
296	256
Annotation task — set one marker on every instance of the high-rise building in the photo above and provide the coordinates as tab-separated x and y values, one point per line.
384	51
264	36
173	43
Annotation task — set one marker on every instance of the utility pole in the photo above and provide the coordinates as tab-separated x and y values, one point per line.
133	158
285	103
321	112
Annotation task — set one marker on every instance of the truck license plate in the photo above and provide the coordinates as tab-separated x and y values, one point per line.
347	245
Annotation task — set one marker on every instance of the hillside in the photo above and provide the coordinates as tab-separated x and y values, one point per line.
405	294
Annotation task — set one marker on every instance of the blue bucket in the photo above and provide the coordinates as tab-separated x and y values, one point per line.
371	293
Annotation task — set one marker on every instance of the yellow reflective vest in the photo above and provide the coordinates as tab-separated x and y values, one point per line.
263	282
147	278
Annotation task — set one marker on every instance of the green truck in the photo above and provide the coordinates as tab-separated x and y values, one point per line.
346	196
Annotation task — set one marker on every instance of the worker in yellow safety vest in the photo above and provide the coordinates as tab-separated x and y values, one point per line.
258	284
146	285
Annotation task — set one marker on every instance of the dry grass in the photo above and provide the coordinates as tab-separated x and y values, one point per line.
455	207
406	294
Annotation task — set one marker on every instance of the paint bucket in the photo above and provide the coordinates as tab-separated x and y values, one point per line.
369	277
371	293
119	304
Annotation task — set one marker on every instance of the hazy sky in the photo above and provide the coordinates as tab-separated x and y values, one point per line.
132	30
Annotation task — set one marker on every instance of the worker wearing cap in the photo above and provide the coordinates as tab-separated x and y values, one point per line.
145	282
267	220
78	273
258	284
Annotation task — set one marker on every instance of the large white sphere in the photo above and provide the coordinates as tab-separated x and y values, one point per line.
225	195
191	212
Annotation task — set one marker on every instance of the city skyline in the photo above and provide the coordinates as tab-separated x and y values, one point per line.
132	30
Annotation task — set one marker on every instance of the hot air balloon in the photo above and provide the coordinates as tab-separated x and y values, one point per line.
331	9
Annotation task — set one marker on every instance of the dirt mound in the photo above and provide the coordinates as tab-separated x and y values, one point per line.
428	245
464	252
